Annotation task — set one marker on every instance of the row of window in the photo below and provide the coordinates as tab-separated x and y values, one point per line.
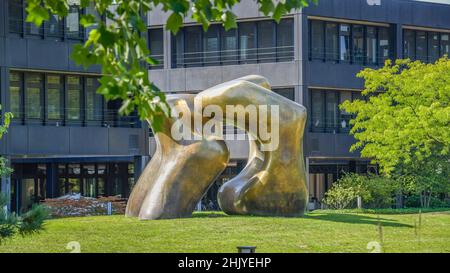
250	42
425	46
349	43
326	117
54	99
68	27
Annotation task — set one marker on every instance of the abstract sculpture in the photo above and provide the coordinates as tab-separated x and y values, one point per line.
180	172
176	178
273	183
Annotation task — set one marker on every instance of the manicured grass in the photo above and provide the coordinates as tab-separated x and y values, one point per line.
319	231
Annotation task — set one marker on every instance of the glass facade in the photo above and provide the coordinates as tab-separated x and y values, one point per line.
15	19
16	94
251	42
73	101
156	46
326	117
349	43
425	46
30	181
55	27
34	86
62	99
55	103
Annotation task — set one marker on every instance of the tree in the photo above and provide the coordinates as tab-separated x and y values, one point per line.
116	43
10	224
405	119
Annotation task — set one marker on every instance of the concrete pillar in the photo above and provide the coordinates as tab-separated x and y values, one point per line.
167	40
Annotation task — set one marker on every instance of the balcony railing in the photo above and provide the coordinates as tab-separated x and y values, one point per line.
107	118
160	59
353	57
234	56
335	126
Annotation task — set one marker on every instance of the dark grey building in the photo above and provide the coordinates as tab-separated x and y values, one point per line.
311	57
64	137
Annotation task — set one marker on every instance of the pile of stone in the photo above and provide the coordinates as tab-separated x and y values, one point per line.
73	205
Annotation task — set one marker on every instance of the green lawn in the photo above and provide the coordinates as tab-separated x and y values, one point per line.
319	231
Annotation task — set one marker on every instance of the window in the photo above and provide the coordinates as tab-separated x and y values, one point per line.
285	40
409	46
326	117
288	93
54	97
73	98
445	44
317	40
344	117
331	42
317	111
33	97
94	101
421	46
64	97
266	41
54	26
247	42
178	49
433	47
251	42
211	46
73	28
229	47
349	43
384	50
425	46
344	42
16	94
193	46
90	9
15	10
371	46
358	44
331	111
32	29
156	45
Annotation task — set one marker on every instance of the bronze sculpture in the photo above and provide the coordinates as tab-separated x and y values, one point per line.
273	181
175	179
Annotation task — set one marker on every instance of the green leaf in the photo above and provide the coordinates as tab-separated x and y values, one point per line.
174	22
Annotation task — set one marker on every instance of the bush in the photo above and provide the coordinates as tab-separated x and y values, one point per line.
413	201
29	223
340	197
375	192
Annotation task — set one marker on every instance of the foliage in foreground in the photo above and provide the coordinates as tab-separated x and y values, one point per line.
116	42
28	223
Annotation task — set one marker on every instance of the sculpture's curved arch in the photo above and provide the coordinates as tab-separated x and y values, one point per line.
273	182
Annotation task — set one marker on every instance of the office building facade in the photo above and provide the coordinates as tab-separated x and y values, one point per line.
64	138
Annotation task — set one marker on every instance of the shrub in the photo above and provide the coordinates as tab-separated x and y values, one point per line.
375	191
26	224
340	197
